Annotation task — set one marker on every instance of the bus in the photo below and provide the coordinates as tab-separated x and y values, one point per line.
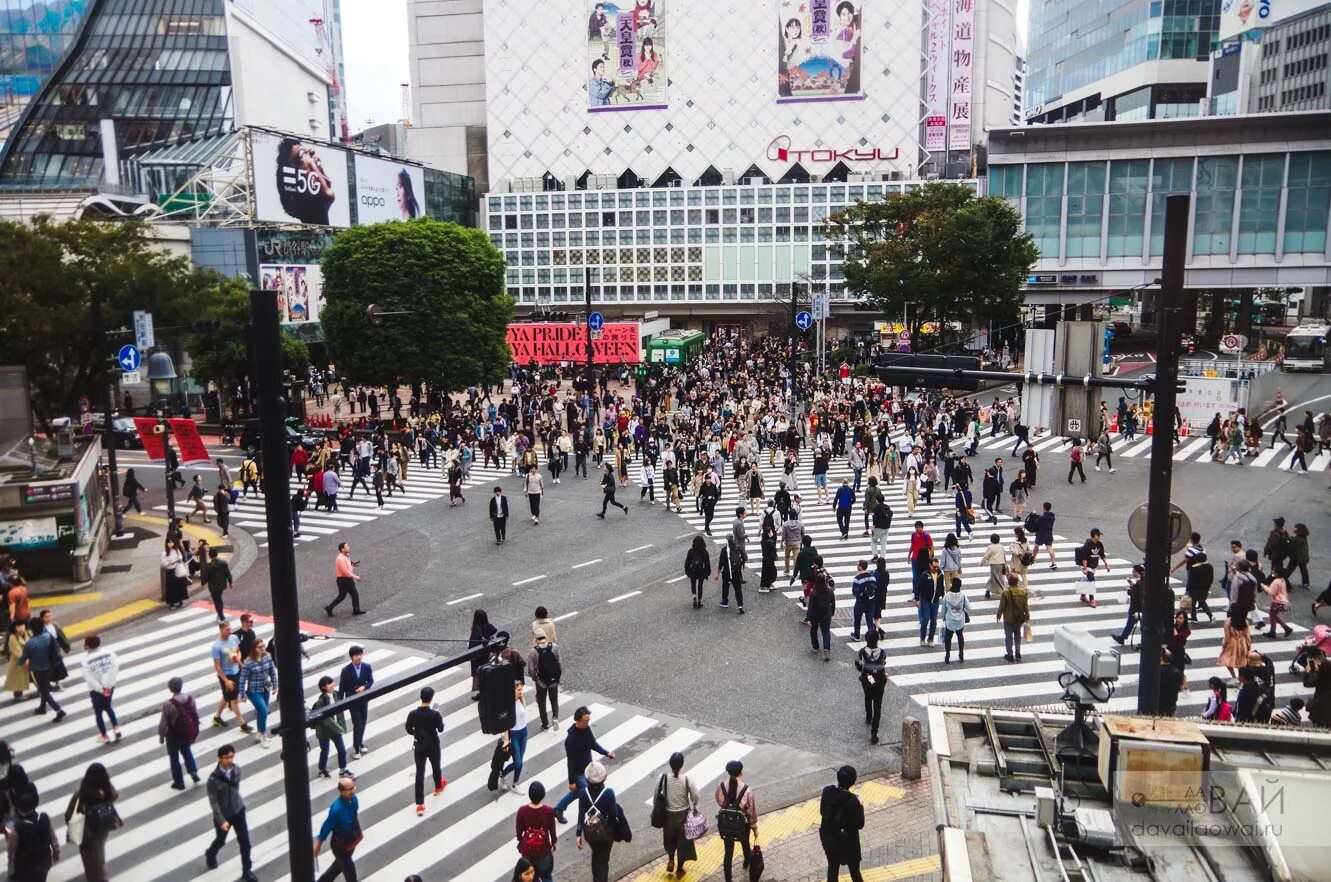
675	347
1306	347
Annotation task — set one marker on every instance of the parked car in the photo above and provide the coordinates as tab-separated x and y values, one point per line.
249	438
1121	330
1187	344
123	434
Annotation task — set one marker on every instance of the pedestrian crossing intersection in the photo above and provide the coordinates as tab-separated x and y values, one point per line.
467	832
985	676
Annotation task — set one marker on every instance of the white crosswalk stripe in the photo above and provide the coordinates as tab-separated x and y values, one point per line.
467	832
985	676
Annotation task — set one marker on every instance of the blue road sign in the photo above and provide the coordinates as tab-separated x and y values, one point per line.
803	320
595	321
129	357
1107	359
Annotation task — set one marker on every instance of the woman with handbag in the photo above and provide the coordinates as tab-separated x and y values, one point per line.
675	801
330	730
177	574
89	819
956	608
842	820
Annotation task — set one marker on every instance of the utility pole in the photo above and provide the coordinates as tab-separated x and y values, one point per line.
266	335
108	404
587	296
1158	598
794	340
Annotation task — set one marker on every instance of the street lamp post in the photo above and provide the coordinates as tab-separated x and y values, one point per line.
162	370
108	404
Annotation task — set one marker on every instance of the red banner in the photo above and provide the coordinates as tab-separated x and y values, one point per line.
152	442
553	342
188	442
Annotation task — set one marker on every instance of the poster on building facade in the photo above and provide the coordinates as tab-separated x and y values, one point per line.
299	290
936	87
963	65
818	44
387	191
627	56
299	181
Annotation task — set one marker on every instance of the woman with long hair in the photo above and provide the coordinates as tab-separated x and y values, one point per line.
257	673
677	795
698	567
17	677
406	196
177	573
481	632
822	605
94	792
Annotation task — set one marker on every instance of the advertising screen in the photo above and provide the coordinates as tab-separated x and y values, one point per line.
626	55
387	190
818	49
299	181
300	290
555	342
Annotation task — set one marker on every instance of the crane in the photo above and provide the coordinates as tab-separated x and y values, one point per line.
406	104
323	39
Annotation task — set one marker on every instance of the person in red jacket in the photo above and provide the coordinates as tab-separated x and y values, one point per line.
537	834
299	459
921	550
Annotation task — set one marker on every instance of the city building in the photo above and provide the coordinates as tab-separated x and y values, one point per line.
1104	60
1018	91
446	40
1278	64
1093	196
389	139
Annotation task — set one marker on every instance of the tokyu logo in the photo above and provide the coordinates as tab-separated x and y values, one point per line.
780	151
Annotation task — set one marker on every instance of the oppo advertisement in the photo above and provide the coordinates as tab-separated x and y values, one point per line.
299	288
387	190
818	42
299	181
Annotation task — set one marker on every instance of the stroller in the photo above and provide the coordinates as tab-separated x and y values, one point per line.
1320	638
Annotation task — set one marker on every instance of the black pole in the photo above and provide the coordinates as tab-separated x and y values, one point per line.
169	484
1158	597
794	331
108	404
282	578
587	296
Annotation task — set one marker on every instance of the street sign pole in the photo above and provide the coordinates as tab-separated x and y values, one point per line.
587	297
108	440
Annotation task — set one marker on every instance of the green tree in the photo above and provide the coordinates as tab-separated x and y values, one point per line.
49	275
450	279
938	252
222	354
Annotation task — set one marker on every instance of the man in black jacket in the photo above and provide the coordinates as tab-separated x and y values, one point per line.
1134	603
578	746
929	590
356	677
425	725
499	515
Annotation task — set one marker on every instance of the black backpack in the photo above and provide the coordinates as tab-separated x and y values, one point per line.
34	841
731	822
548	668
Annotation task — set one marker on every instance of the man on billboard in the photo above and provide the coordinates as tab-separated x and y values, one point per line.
304	188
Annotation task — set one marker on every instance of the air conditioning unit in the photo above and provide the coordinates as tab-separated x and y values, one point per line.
727	176
570	183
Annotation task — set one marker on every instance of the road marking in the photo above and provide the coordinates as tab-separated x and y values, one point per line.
64	599
470	597
114	617
526	581
586	564
566	616
676	579
393	619
624	597
685	535
639	548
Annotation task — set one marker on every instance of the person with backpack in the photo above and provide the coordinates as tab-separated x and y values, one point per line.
425	725
546	670
94	800
131	490
738	817
871	662
31	841
598	816
330	730
842	820
1014	610
672	800
228	810
864	588
578	746
41	657
537	834
1217	703
177	728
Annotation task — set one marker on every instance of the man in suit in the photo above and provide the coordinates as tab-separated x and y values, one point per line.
357	677
499	515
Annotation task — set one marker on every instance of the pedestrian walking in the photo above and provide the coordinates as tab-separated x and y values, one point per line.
842	819
537	835
425	725
217	576
257	673
30	840
608	493
994	557
598	815
818	615
578	746
871	662
40	656
1014	612
844	502
929	590
647	480
674	797
708	496
1090	557
515	738
226	656
196	495
546	671
329	730
499	515
864	589
1134	590
533	487
228	808
357	676
332	485
698	567
131	490
342	830
1044	532
481	632
1104	449
455	483
94	800
956	612
344	569
738	819
178	728
222	507
101	670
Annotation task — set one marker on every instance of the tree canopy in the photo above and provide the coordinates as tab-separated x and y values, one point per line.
222	354
939	252
49	274
450	281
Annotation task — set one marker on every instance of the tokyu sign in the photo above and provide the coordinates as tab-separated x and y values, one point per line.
780	151
555	342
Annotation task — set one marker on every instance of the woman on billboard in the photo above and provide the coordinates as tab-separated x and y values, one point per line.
304	188
406	196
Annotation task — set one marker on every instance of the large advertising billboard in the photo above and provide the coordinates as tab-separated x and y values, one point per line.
556	342
299	181
627	56
387	190
963	66
818	49
936	89
299	288
1237	16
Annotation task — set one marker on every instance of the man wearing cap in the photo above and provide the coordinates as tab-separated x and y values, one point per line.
228	811
499	515
578	746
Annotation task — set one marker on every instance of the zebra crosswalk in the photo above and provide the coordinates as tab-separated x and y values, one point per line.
467	831
985	676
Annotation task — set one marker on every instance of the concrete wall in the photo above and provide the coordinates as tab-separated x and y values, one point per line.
447	48
273	80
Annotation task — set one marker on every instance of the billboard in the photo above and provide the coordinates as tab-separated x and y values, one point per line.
963	66
299	181
627	56
555	342
299	288
936	65
1237	16
387	190
818	43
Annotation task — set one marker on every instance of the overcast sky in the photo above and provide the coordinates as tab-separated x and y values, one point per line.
374	38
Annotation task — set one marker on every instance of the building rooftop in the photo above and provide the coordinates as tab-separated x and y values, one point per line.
1233	130
21	464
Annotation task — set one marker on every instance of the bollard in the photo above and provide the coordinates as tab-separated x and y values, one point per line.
912	749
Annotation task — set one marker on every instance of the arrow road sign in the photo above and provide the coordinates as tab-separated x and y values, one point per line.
129	358
803	320
595	321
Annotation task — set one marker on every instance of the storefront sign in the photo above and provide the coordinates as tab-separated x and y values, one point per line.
555	342
779	151
48	494
1042	279
31	533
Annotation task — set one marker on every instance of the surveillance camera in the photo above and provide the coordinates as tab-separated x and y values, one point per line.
1086	655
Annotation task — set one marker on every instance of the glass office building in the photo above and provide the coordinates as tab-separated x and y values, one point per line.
158	68
34	36
1082	53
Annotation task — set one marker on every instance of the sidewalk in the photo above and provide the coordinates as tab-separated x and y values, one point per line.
129	583
898	841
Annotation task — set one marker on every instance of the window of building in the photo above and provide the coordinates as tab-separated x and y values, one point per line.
1005	181
1044	205
607	218
1217	180
1306	203
713	215
1259	209
1128	181
1168	176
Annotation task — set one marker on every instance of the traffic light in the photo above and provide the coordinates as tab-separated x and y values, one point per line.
866	306
894	368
